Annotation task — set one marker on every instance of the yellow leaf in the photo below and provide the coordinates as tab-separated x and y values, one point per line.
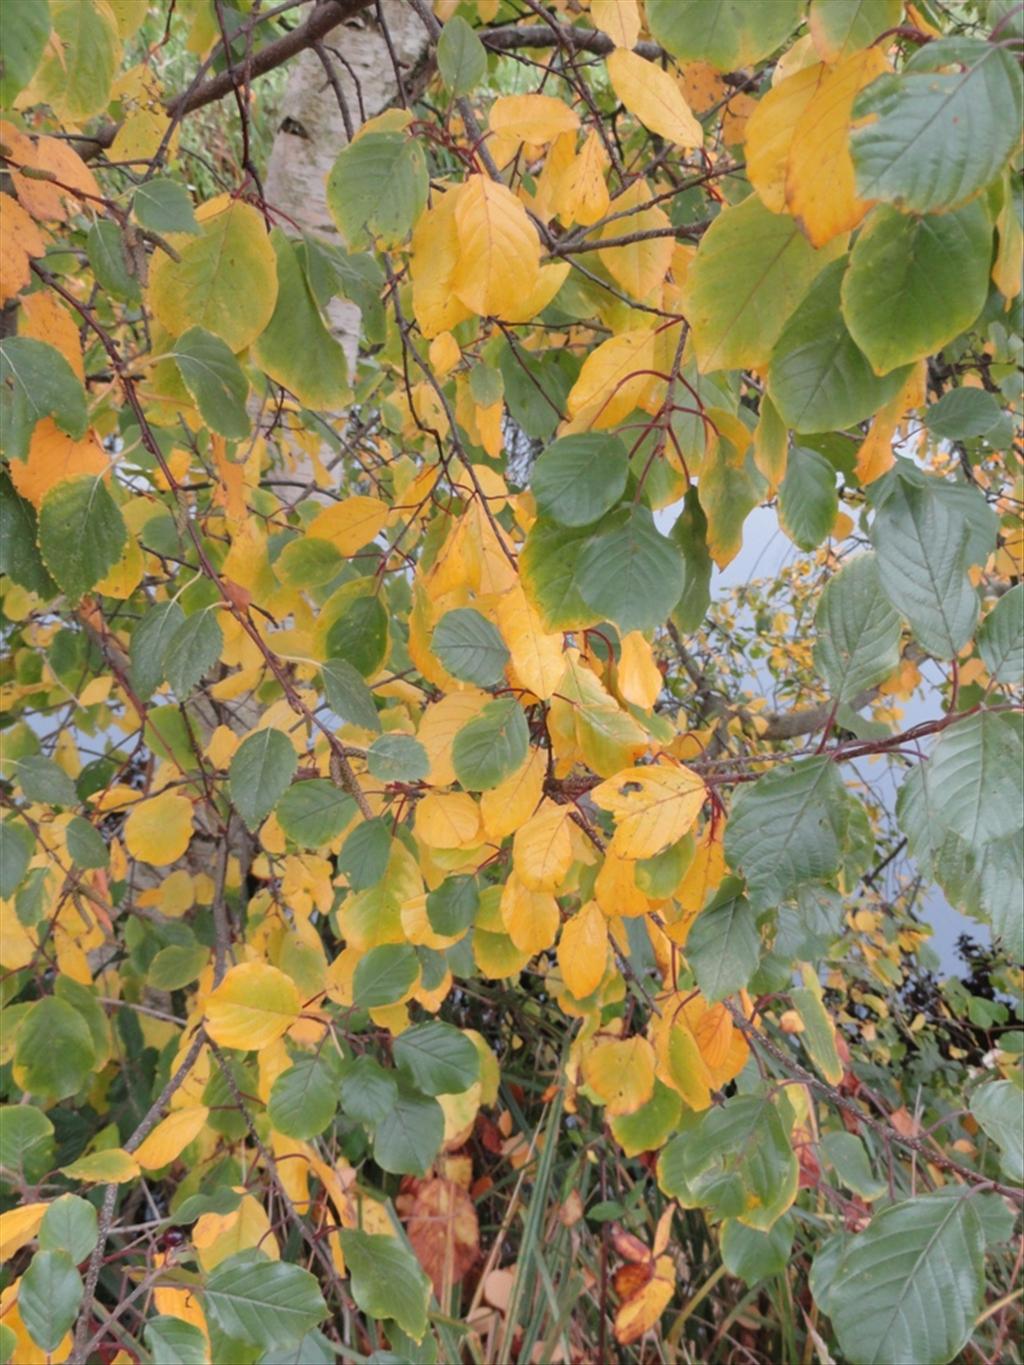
616	890
435	254
620	19
653	807
170	1137
1008	266
113	1166
18	1226
640	267
44	317
503	809
158	831
875	455
448	820
536	653
583	950
820	190
771	445
770	132
582	194
532	118
444	354
654	98
642	1310
54	456
216	1236
550	279
122	580
621	1074
530	917
542	849
498	249
20	239
139	136
637	675
252	1006
51	196
613	380
224	280
350	524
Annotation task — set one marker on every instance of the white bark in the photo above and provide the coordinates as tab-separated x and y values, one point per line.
312	131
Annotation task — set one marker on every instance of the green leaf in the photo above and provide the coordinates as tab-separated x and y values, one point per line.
723	946
387	1280
909	1287
49	1293
105	247
409	1136
40	779
491	746
19	543
1001	637
727	33
845	26
461	57
86	845
690	533
548	568
17	844
913	284
36	382
172	1341
378	187
313	812
386	974
631	574
808	498
928	139
976	777
785	829
26	28
81	533
176	966
266	1303
751	270
296	349
997	1107
965	413
818	378
192	651
397	758
215	380
307	562
847	1154
260	773
347	694
164	205
303	1099
470	647
856	631
439	1059
8	1342
920	535
368	1092
360	635
580	478
818	1038
26	1138
751	1255
69	1224
54	1049
452	906
364	856
150	644
77	82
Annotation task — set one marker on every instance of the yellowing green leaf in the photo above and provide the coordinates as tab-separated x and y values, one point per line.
112	1166
254	1005
621	1073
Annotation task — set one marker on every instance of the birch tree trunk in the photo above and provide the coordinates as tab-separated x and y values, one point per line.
330	94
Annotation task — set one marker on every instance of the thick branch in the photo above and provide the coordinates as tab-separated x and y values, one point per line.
542	35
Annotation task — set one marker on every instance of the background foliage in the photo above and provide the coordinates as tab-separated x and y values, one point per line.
448	914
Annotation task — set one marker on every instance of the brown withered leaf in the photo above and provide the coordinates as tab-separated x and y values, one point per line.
442	1227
